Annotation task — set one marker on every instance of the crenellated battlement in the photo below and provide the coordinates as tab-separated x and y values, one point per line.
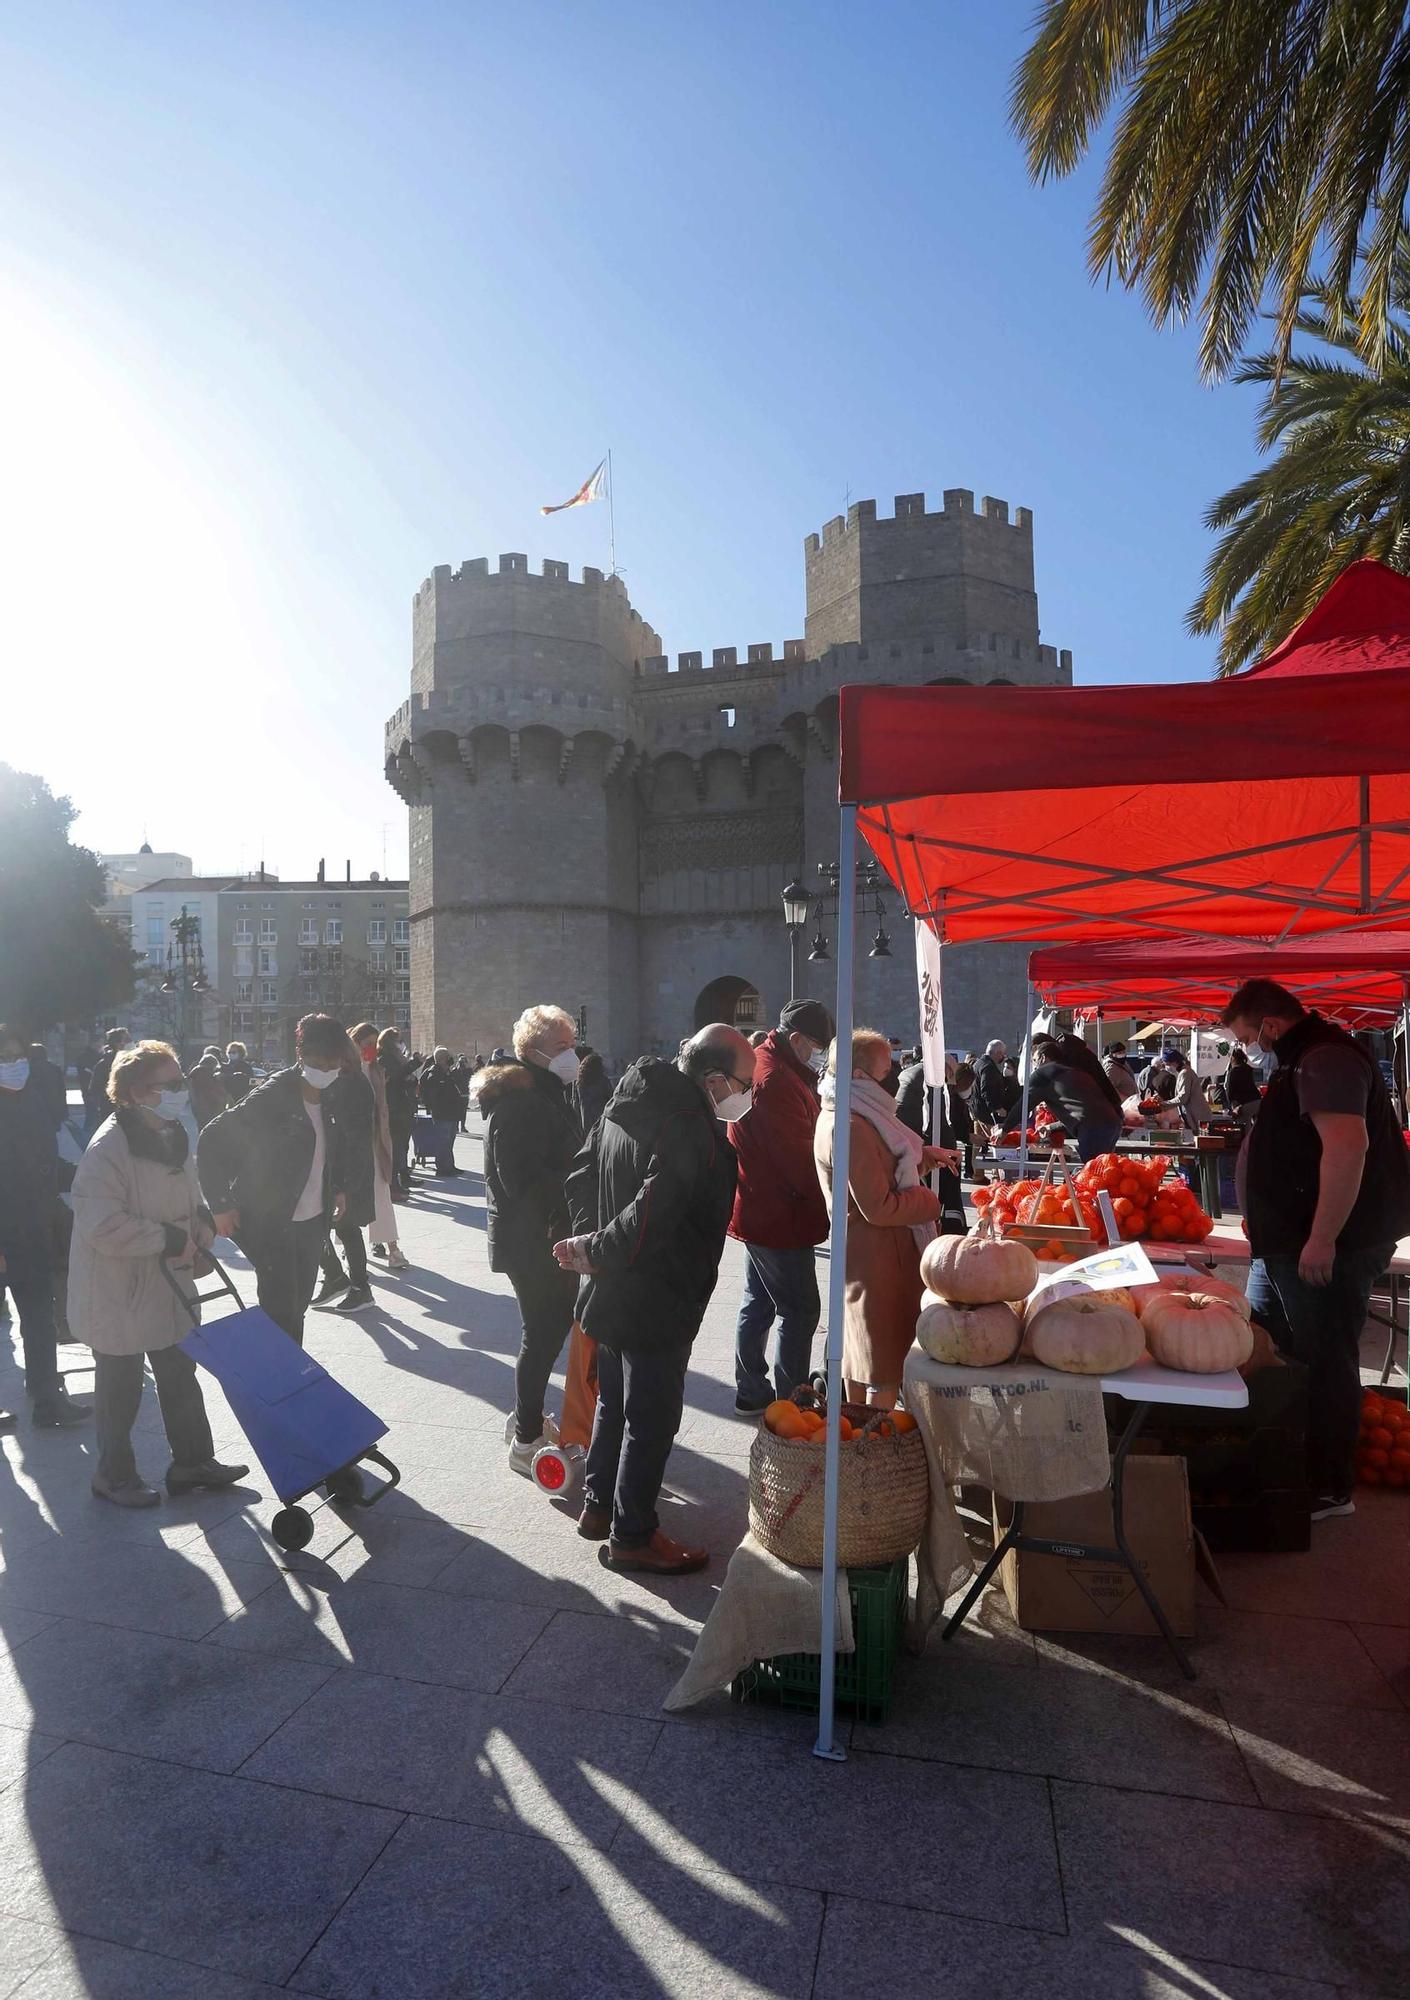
957	505
515	566
724	660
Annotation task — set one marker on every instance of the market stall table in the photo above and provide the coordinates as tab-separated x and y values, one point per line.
1141	1386
1230	1246
1206	1153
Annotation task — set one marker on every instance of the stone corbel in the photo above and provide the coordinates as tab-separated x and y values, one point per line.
467	757
565	758
514	755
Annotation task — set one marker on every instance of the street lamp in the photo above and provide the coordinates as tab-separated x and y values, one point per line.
185	970
869	880
796	900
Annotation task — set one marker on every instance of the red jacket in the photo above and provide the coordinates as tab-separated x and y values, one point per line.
779	1202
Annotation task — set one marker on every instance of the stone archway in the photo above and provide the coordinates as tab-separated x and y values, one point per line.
732	1000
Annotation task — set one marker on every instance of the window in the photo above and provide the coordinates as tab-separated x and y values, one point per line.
308	931
401	930
335	963
403	989
333	931
243	1019
379	992
401	958
269	993
244	932
308	961
376	961
268	962
244	990
377	931
268	930
728	715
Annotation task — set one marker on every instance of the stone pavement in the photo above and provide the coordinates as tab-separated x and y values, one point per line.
426	1758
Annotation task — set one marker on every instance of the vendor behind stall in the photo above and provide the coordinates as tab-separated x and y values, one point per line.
1324	1185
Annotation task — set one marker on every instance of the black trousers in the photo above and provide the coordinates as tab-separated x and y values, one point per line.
30	1276
546	1295
640	1396
286	1270
354	1249
118	1378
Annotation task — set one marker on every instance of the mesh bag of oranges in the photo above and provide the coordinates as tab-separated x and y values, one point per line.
1147	1205
883	1489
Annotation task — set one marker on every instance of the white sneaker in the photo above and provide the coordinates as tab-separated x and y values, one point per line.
1330	1506
521	1456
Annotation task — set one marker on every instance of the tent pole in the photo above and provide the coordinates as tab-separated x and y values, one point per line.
827	1745
1100	1050
1404	1049
1027	1074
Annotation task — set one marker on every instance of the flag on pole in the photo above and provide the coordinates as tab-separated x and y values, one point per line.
591	489
932	1007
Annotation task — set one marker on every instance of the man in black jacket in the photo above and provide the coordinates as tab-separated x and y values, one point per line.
30	1173
290	1158
441	1100
651	1196
1072	1050
995	1094
531	1135
96	1096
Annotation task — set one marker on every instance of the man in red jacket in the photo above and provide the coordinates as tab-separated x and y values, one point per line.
780	1215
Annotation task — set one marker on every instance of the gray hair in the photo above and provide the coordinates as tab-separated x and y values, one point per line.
708	1053
995	1049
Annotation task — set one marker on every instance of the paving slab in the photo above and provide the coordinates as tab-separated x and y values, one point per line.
873	1952
416	1634
886	1828
1309	1759
490	1761
552	1565
408	1549
1240	1652
175	1591
1390	1649
18	1625
81	1968
626	1665
20	1749
1291	1893
454	1913
1356	1568
1072	1725
217	1871
26	1947
151	1695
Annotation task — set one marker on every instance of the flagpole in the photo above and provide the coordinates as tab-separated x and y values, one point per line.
611	515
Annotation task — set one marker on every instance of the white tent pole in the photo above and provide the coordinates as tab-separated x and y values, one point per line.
827	1745
1100	1050
1027	1074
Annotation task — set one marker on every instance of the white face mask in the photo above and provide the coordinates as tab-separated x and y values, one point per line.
817	1062
14	1075
170	1104
565	1066
319	1079
734	1107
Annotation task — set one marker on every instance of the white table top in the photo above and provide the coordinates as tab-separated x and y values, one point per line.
1145	1383
1230	1246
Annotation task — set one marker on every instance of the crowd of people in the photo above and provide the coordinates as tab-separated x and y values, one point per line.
607	1210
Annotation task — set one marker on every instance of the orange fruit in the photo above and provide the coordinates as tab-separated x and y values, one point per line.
903	1420
777	1413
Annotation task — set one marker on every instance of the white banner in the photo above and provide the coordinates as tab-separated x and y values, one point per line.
932	1011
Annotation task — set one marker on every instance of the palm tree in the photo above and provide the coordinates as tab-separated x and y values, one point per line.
1252	133
1338	487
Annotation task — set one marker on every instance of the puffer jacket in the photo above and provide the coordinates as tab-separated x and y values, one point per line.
256	1157
653	1190
130	1209
778	1203
531	1135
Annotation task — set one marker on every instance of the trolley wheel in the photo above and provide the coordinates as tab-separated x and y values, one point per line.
558	1469
292	1527
345	1484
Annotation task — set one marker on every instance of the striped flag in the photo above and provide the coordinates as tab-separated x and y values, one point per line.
591	489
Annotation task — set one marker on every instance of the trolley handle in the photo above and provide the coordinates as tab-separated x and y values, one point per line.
195	1299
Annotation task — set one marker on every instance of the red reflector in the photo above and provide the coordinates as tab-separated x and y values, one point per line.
550	1471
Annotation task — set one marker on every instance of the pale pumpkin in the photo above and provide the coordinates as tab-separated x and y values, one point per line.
968	1336
1085	1336
1174	1283
978	1270
1196	1333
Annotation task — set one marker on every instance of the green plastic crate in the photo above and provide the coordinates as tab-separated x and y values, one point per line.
863	1678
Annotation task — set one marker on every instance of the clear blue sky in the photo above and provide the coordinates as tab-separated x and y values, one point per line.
297	301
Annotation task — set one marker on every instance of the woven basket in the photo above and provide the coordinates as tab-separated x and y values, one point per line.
882	1497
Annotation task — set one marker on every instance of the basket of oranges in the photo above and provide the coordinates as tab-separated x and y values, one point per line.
883	1482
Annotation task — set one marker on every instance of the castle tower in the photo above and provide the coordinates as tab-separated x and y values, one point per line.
515	756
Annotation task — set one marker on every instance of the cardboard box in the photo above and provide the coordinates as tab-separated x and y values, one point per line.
1059	1593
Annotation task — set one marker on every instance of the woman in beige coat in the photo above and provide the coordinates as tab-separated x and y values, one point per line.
136	1201
383	1228
889	1215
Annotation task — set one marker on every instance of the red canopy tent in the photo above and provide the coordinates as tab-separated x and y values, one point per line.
1359	977
1273	805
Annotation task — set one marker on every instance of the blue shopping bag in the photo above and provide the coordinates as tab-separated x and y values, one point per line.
301	1424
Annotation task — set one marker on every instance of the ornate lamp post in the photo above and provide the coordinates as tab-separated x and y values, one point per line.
185	973
796	900
869	879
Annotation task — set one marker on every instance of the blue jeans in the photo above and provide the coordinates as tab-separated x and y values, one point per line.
1321	1326
1095	1136
443	1142
781	1285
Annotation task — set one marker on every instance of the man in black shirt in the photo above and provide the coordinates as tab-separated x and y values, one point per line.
1324	1184
1075	1096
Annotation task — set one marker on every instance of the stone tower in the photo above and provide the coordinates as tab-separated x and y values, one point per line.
594	824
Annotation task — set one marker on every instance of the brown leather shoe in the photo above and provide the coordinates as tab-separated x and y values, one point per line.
660	1557
595	1523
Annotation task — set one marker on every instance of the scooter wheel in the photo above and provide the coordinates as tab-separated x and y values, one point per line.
345	1484
292	1528
558	1470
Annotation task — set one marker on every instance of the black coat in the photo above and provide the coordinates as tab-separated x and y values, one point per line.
1075	1053
400	1074
30	1170
531	1135
256	1156
591	1092
239	1080
653	1189
995	1094
443	1094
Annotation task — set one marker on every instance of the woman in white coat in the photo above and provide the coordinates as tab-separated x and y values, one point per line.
136	1201
383	1227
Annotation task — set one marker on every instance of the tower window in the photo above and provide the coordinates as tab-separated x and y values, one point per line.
728	714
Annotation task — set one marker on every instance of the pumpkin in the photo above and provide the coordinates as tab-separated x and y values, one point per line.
968	1336
1203	1282
977	1270
1197	1333
1085	1336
